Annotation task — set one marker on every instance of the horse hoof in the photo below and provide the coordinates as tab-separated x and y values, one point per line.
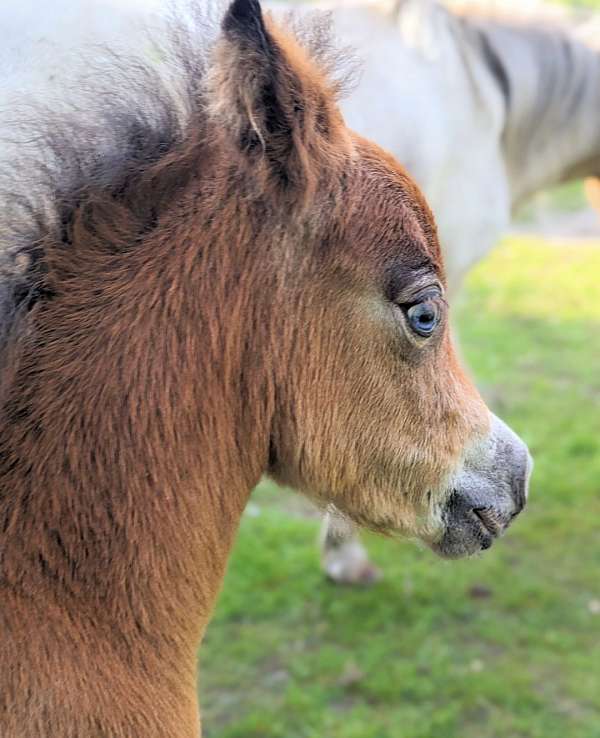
364	576
369	575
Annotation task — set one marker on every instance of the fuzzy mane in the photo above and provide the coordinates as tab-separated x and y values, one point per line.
107	166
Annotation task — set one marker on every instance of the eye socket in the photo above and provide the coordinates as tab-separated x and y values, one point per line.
424	317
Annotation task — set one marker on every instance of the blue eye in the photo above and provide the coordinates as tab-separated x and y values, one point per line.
423	317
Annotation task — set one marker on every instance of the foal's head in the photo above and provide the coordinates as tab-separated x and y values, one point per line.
290	272
371	412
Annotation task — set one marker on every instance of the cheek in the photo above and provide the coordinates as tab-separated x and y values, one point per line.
362	419
366	424
464	395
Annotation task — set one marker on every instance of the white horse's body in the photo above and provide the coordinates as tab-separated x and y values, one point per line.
416	100
482	113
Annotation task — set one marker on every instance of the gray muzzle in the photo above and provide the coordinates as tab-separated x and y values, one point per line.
487	494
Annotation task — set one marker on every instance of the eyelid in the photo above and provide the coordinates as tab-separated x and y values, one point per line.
431	292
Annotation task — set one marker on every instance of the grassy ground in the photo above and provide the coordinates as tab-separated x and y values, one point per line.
503	646
566	198
588	4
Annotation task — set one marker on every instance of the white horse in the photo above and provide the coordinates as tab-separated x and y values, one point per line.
483	112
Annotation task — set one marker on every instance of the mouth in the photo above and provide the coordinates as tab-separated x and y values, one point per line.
489	525
485	495
470	530
489	520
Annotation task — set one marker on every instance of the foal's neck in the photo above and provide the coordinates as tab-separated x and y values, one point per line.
552	133
128	457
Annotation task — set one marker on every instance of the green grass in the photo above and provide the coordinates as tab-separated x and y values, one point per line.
587	4
506	645
565	198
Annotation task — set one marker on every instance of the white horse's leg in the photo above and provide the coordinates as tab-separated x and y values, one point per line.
344	559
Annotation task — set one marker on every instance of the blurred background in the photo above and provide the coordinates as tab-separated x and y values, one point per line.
502	646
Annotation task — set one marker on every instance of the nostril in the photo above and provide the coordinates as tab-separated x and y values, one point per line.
521	484
520	498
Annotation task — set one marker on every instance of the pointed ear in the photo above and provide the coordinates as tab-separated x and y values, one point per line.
273	103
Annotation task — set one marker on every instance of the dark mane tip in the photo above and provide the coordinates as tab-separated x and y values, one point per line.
242	14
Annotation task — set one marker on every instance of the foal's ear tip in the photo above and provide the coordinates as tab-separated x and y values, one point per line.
245	17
